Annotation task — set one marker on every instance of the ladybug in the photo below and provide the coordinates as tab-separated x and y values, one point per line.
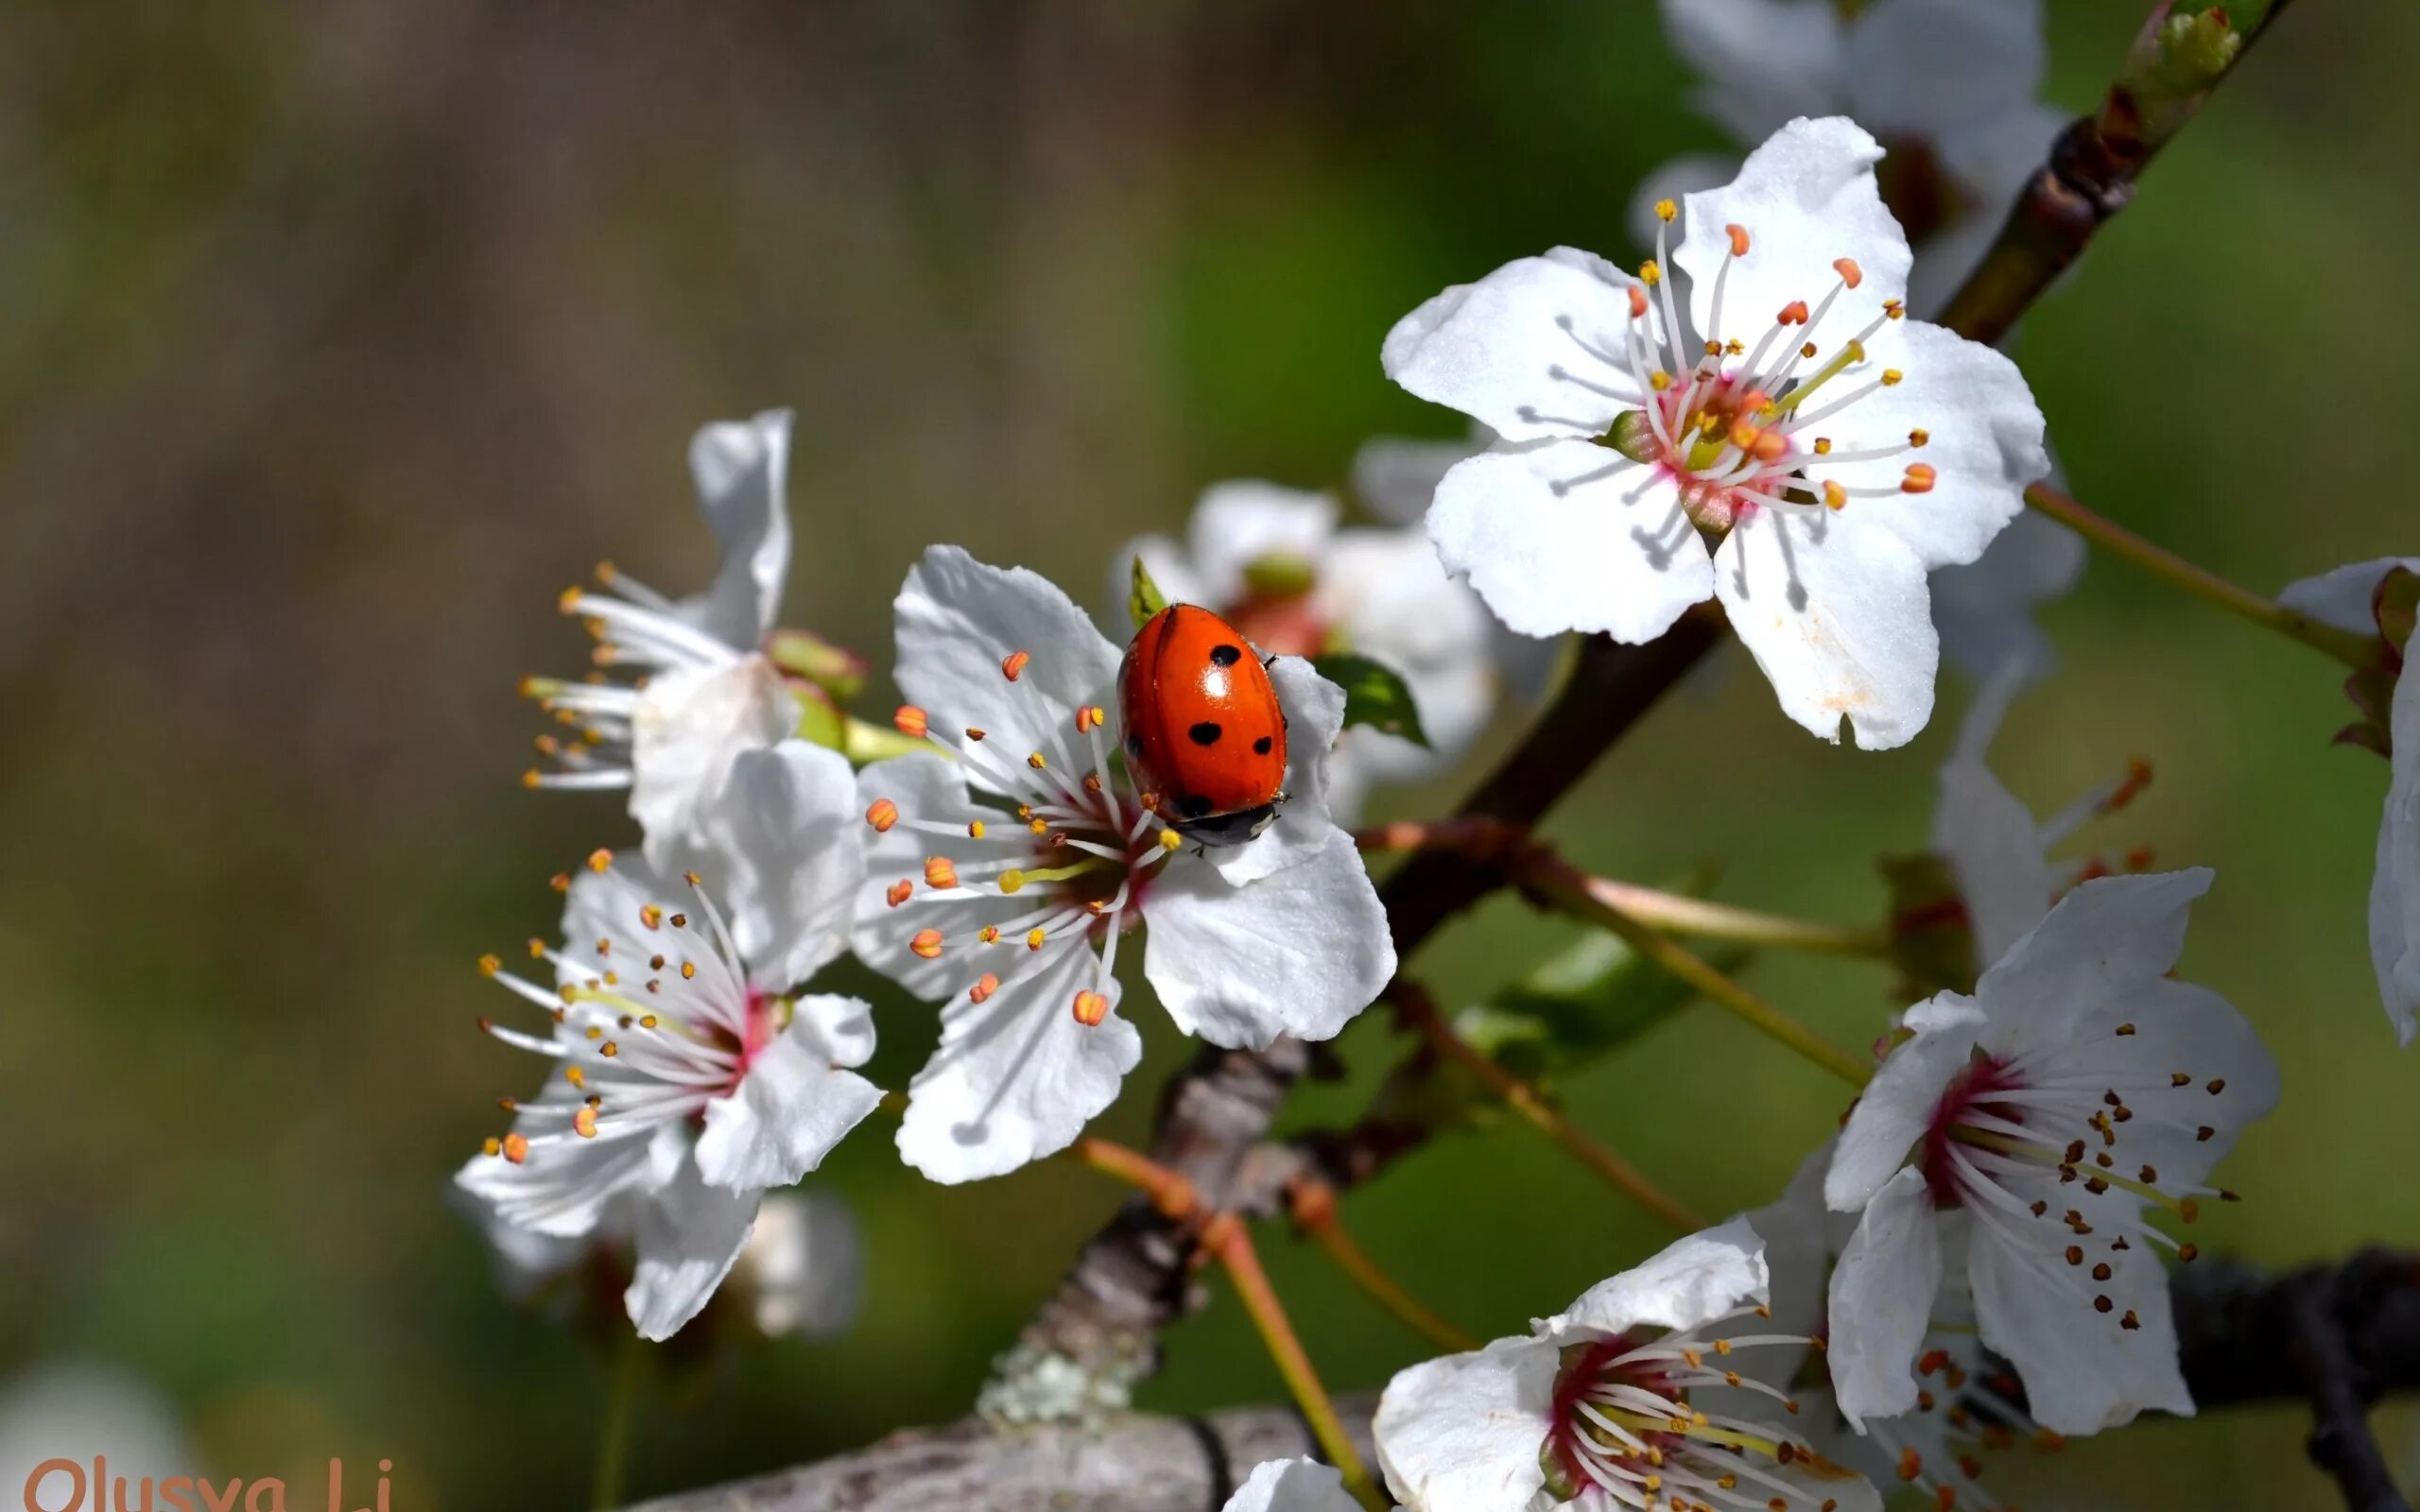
1203	728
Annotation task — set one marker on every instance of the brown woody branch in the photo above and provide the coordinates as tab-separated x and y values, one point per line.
2244	1337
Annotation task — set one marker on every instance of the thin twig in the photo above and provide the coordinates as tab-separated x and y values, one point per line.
1227	1238
1312	1203
1419	1009
2353	650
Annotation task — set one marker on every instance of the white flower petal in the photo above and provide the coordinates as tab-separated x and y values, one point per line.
804	1265
2181	1027
1568	536
1881	1301
1300	952
2105	938
784	859
741	467
1690	1282
1805	197
1984	609
2083	1371
690	725
956	618
1396	476
2343	597
689	1235
1995	853
795	1102
1917	68
1798	1229
1244	520
2394	890
1763	61
560	1191
1463	1433
1898	1105
1984	442
1314	711
1837	616
1292	1486
1016	1077
1539	348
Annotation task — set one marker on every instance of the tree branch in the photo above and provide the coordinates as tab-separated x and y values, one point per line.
2246	1339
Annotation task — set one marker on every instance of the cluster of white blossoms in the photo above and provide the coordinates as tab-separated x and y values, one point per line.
1978	1258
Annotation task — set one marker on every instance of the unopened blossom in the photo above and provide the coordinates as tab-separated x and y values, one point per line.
2035	1126
683	685
1938	1446
1292	1486
1003	877
1758	421
2346	599
1947	86
688	1081
1272	561
1666	1383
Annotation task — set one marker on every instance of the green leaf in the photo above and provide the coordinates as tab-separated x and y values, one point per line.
836	669
1375	694
1143	597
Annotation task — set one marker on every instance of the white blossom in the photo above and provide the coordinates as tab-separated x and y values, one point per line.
689	1081
1292	1486
1947	86
1833	474
703	692
2032	1126
1667	1380
1273	562
1004	881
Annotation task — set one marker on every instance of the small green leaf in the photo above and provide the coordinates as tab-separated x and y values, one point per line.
836	669
1143	597
1375	694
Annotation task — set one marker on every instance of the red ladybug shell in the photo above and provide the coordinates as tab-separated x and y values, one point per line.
1203	730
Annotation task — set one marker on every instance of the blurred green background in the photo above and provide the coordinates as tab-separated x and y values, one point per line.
334	340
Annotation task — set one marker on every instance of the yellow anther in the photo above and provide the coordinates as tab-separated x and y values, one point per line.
940	871
1850	273
585	1122
1650	274
1823	446
1012	880
882	814
911	721
1835	497
1896	309
1808	351
576	1077
1920	478
532	780
599	859
569	600
1890	377
1170	840
988	933
647	1020
1037	826
490	964
516	1148
1034	938
492	1146
609	1050
1733	347
1659	380
974	830
1036	762
650	915
1854	352
1091	1007
1919	436
926	943
1666	211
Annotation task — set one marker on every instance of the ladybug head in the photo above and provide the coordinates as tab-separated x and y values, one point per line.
1221	830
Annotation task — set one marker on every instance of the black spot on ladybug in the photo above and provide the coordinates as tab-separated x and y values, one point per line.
1133	745
1205	734
1226	656
1260	746
1193	806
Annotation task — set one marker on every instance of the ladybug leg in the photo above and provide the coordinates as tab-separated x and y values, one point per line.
1269	661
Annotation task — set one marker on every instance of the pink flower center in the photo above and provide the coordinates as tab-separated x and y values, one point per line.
1974	1089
